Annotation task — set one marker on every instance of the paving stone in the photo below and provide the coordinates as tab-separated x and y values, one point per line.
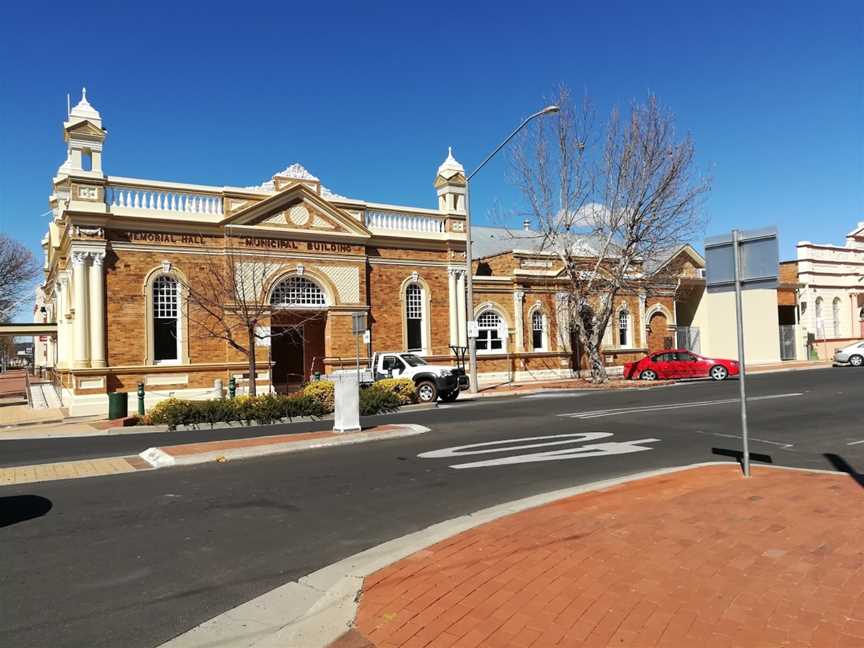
701	558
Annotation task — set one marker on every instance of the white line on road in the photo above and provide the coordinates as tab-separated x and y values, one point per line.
856	442
785	446
669	406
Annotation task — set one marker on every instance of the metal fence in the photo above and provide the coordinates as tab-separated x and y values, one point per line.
787	341
687	337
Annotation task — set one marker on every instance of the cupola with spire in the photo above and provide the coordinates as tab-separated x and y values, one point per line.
450	184
84	135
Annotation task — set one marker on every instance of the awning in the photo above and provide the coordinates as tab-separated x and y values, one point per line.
27	329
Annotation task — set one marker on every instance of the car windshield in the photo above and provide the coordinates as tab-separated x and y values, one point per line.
413	360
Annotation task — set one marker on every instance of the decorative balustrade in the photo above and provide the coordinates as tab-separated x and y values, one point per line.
154	199
401	222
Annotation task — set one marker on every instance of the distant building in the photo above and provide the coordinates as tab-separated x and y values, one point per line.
831	294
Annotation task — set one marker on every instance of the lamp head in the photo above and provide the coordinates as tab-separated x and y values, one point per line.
548	110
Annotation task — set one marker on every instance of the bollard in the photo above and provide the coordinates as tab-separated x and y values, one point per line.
140	399
232	387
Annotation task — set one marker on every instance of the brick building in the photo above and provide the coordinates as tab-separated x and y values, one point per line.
122	254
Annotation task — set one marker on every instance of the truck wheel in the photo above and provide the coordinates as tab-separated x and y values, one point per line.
427	392
450	396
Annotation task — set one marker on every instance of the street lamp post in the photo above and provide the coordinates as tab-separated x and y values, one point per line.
472	341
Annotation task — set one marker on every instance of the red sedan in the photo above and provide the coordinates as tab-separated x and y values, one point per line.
679	363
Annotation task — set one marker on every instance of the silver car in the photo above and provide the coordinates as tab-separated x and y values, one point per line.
850	355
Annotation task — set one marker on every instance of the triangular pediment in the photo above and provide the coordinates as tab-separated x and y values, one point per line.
298	209
85	128
456	178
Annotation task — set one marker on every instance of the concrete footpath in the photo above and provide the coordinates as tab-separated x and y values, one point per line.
206	452
694	556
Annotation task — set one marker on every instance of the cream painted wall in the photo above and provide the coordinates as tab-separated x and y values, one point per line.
715	317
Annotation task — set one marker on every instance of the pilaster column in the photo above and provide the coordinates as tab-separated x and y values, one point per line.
460	309
49	351
518	296
97	311
81	321
642	322
453	306
59	310
562	316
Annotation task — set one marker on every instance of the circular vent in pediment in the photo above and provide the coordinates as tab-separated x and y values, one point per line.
298	215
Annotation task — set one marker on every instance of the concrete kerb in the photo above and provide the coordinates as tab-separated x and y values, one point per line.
159	457
318	608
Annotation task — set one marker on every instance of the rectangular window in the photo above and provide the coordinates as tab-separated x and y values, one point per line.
165	338
537	339
415	334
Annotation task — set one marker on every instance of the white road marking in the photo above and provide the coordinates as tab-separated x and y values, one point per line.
738	436
856	442
510	445
669	406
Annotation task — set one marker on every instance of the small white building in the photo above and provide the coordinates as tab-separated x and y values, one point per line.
831	296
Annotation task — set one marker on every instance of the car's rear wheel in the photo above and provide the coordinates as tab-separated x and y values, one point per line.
718	372
450	396
856	360
427	392
648	374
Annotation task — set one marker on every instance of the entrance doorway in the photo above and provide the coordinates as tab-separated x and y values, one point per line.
297	348
658	333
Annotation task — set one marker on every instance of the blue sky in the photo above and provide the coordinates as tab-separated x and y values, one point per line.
368	96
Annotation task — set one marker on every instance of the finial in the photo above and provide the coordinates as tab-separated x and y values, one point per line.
84	94
450	151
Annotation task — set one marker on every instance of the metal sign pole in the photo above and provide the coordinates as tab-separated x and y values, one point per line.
741	367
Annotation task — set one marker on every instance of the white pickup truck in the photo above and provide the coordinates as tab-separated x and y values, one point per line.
432	381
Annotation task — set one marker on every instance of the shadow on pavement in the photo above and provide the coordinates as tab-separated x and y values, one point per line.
738	455
841	465
20	508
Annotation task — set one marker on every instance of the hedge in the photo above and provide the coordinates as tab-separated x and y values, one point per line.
247	409
315	400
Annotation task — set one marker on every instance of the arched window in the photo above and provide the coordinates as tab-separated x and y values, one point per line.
818	310
414	317
835	316
538	331
488	335
623	327
166	315
297	292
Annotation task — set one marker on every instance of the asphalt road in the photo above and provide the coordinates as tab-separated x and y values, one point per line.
135	559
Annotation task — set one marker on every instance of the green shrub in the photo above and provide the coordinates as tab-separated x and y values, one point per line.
265	409
323	392
301	405
403	388
375	400
220	410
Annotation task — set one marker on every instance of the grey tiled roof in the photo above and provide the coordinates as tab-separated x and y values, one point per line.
495	240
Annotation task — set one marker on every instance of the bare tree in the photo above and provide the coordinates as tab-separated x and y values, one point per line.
226	299
17	268
608	203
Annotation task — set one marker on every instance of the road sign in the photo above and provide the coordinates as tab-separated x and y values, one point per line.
358	323
472	328
367	336
759	260
737	261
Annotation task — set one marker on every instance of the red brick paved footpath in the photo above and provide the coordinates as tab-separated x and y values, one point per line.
699	558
